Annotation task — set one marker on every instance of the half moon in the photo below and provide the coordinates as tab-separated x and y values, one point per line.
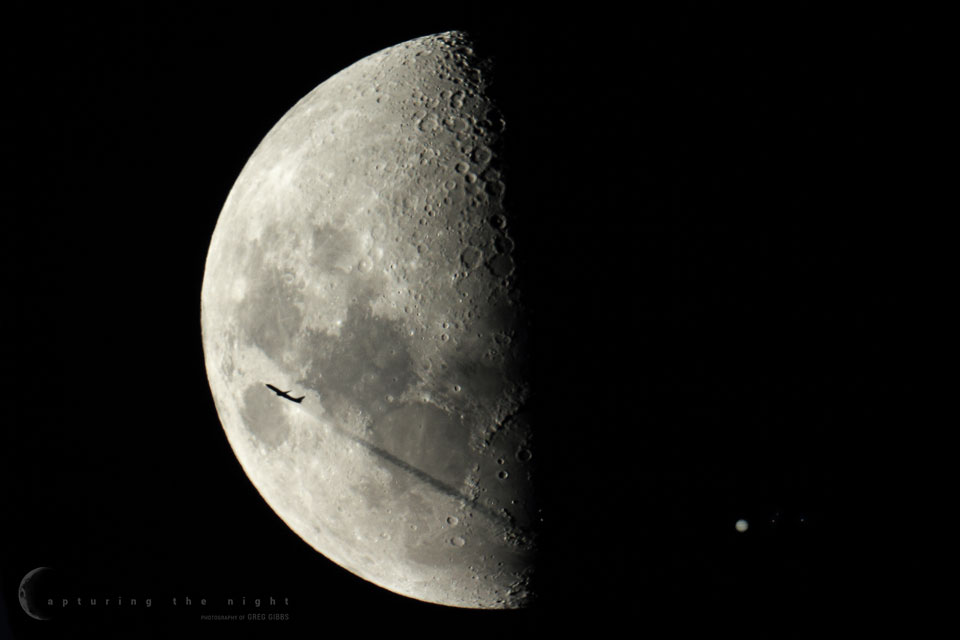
364	261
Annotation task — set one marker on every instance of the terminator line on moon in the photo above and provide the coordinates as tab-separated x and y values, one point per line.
364	259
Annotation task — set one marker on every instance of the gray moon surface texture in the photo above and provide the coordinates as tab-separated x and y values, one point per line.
364	259
32	593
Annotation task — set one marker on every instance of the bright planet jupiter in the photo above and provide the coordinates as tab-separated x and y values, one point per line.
364	259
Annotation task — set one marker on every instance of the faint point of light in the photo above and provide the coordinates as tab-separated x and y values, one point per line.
742	525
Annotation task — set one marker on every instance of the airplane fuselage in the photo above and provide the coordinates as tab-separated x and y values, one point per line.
285	394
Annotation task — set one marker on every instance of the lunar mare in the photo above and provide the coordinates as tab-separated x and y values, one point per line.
364	259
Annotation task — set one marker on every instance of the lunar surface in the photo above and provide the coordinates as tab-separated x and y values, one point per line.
364	260
35	591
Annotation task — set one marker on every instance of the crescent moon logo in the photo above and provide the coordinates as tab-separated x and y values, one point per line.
34	591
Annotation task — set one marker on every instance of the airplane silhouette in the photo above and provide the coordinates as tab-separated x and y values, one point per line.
283	394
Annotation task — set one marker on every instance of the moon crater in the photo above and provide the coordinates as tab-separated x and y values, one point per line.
363	260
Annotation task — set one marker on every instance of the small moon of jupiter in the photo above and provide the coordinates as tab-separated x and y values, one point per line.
742	525
364	260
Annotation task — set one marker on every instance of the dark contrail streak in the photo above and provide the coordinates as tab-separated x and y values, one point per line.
423	476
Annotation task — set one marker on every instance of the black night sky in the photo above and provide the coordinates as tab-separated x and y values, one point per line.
714	213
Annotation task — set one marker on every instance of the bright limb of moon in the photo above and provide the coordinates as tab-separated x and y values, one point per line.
364	260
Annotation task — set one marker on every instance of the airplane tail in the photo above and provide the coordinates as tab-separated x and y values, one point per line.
298	400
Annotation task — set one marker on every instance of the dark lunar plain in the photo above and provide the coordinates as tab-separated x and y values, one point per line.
715	219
